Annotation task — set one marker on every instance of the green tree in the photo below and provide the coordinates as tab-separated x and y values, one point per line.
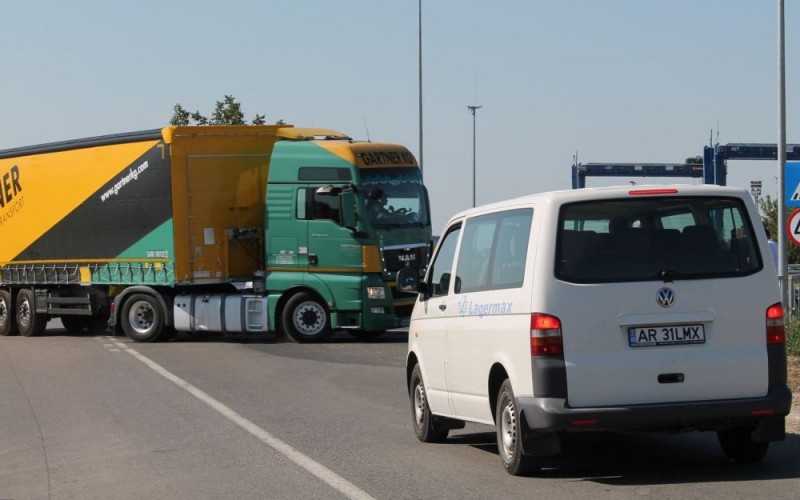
226	112
768	207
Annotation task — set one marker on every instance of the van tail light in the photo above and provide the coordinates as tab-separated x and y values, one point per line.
776	334
546	335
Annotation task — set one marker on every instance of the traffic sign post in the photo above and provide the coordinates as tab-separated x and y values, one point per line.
793	227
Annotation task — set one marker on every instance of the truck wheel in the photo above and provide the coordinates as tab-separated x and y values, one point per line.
306	319
8	324
29	322
738	445
142	318
366	335
509	435
421	417
76	325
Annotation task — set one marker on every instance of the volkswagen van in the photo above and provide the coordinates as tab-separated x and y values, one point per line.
606	309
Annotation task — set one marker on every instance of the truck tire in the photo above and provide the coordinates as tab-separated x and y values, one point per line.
29	322
8	323
366	335
509	435
76	325
306	319
142	318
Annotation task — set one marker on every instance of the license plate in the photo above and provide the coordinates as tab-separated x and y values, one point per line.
653	336
405	321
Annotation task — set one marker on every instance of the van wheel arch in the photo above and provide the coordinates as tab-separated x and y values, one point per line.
410	364
497	375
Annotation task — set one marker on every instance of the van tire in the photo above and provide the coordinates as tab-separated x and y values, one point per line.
421	417
509	435
739	446
8	320
306	319
142	318
29	322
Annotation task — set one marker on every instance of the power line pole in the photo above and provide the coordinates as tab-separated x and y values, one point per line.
473	110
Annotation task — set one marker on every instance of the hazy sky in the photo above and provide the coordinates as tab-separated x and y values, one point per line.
614	80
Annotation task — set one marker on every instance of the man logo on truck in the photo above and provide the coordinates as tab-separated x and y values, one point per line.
10	186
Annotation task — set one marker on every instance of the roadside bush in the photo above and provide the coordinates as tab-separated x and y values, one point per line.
793	336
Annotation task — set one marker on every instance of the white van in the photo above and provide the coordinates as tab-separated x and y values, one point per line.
620	308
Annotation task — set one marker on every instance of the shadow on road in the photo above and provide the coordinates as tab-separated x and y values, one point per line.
618	459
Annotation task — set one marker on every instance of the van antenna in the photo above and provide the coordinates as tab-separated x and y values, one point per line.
367	129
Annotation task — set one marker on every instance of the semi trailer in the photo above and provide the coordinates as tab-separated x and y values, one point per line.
229	229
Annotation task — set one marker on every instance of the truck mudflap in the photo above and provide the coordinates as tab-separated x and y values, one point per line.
553	415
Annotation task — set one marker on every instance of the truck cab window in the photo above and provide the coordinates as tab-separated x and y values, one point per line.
318	206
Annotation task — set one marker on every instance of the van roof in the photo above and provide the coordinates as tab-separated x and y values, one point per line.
584	194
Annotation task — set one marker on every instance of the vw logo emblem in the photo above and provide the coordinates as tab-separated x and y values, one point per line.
665	297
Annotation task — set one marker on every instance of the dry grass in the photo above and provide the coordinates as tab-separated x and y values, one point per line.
793	420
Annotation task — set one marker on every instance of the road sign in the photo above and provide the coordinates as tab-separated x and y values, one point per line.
793	227
792	177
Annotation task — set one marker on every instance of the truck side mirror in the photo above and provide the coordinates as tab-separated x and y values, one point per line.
349	212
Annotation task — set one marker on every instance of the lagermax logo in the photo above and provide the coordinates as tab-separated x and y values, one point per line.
665	297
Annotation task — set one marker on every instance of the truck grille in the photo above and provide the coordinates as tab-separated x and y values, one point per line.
398	258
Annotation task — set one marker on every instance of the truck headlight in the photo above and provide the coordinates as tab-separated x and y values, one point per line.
376	292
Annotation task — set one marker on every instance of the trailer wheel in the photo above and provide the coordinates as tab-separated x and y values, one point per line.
306	319
29	322
8	324
142	318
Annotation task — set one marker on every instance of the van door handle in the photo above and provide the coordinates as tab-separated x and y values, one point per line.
442	307
312	258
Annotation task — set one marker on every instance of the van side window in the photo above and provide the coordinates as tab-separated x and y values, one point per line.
494	251
442	266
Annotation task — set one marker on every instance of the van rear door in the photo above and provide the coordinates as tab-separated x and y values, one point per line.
661	299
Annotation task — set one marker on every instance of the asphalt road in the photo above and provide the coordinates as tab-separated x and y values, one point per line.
102	417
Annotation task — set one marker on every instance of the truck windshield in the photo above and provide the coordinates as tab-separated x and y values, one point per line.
655	239
394	196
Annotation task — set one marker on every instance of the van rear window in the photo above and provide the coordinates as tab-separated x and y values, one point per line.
655	239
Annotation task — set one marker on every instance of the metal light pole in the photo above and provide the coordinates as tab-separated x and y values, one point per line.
420	88
472	110
783	267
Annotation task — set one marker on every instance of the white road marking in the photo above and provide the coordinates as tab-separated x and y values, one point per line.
334	480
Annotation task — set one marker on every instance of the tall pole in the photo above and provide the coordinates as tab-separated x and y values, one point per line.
472	110
419	65
782	253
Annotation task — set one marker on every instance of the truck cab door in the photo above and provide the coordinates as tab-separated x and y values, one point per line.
332	248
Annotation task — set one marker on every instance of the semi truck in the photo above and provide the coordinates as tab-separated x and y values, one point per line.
249	229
